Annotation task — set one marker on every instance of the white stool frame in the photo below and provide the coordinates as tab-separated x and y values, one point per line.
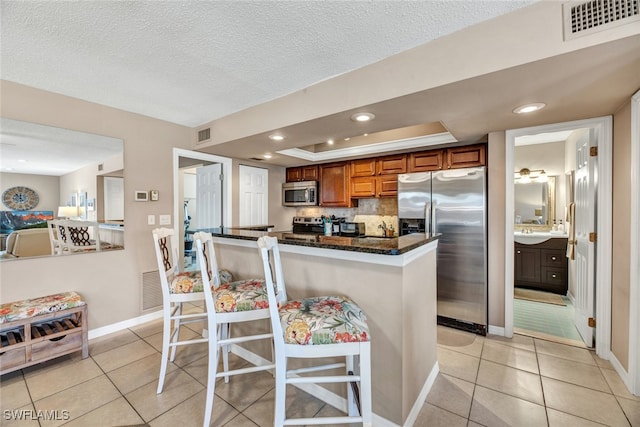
221	323
277	294
166	255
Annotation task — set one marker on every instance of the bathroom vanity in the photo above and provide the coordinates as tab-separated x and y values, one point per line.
541	263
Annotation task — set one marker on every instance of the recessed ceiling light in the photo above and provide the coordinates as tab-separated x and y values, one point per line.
529	108
365	134
330	141
347	139
362	117
267	156
276	137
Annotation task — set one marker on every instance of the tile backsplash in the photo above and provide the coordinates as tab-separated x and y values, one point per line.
370	211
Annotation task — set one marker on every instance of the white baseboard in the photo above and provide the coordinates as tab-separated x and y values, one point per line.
496	330
129	323
422	397
624	375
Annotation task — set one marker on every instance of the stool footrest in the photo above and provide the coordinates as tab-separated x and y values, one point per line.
245	370
327	379
321	420
315	368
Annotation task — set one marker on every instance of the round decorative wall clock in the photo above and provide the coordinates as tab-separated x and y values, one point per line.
20	198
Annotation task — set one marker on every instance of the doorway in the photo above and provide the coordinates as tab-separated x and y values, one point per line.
202	196
602	128
544	294
254	196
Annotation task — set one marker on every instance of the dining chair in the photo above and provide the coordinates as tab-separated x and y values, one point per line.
56	237
228	304
177	288
317	327
80	236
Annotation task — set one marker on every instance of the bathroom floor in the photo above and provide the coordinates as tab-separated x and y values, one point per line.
546	320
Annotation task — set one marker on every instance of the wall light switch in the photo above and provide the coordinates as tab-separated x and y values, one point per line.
151	220
165	219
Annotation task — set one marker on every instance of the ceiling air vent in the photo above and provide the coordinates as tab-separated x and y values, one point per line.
589	17
257	159
204	135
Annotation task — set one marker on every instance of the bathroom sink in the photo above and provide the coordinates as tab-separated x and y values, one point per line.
536	237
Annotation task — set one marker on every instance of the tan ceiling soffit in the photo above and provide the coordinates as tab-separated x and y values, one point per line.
381	147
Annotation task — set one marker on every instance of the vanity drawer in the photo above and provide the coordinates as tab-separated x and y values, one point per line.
553	258
554	276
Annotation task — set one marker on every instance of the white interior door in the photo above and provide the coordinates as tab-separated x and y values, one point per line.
585	223
209	196
254	194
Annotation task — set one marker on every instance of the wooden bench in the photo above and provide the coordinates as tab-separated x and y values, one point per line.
39	329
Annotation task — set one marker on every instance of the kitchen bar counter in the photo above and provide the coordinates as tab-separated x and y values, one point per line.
392	279
371	245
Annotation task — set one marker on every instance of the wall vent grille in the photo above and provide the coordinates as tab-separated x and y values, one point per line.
597	15
151	291
204	135
100	167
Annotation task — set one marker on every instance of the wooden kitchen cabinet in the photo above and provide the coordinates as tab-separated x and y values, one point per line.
374	177
363	167
391	165
302	173
465	157
334	185
425	161
542	266
372	186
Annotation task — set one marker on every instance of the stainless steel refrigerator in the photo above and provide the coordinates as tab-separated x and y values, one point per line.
452	203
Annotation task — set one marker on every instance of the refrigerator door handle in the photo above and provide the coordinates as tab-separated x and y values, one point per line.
433	207
427	219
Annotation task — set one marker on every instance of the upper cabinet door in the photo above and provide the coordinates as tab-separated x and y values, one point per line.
302	173
334	185
363	167
464	157
392	164
425	161
309	173
294	174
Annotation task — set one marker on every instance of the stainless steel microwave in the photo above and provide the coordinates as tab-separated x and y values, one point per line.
301	193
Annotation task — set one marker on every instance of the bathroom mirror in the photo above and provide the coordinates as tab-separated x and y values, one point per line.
535	203
64	169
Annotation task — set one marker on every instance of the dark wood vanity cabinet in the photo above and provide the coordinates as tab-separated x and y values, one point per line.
542	266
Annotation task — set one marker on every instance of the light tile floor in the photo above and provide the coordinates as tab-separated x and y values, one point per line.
490	381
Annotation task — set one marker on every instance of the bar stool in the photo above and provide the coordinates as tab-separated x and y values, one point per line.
234	302
317	327
177	288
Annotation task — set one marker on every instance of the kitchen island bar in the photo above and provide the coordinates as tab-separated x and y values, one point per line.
392	280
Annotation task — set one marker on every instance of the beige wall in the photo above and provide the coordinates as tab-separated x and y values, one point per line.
496	153
620	266
109	281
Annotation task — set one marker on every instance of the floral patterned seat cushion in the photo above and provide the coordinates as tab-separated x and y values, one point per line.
191	281
323	320
28	308
242	295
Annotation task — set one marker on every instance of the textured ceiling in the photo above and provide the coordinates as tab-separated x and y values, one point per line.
190	62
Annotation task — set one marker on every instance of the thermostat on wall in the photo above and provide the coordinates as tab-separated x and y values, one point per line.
141	196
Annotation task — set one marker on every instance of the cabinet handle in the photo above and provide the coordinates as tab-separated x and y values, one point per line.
554	276
518	252
553	259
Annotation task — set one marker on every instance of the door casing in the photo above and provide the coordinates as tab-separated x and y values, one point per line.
603	126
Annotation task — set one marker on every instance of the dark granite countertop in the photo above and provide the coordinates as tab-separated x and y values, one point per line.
373	245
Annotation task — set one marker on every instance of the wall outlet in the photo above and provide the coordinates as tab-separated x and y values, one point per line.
151	220
165	219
